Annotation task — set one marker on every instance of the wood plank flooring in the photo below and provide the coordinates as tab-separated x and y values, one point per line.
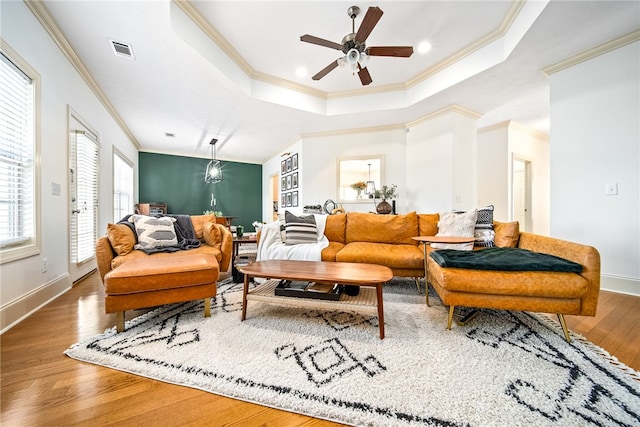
42	386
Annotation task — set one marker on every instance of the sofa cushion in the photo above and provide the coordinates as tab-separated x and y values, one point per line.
507	234
395	229
329	253
159	273
198	222
335	227
211	234
300	229
460	224
514	283
154	232
121	237
140	256
428	224
401	256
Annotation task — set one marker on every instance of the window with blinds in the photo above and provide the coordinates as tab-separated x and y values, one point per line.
122	187
84	197
18	173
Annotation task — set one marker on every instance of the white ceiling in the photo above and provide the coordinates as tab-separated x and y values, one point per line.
226	69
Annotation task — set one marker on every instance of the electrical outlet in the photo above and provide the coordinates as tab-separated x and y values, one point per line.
611	189
44	265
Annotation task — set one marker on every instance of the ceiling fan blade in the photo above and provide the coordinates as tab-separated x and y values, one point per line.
321	42
364	75
370	20
325	70
399	51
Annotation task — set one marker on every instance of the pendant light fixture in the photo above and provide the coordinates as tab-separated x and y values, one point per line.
213	173
371	185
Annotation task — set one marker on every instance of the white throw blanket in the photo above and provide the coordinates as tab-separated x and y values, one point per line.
271	246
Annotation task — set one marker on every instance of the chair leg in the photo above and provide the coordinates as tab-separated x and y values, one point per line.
564	327
119	321
417	279
207	307
451	308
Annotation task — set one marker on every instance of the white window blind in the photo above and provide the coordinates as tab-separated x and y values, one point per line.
122	187
17	154
84	177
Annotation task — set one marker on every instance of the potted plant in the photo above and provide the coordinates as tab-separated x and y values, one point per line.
386	192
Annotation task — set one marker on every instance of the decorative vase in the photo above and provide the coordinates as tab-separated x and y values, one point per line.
383	208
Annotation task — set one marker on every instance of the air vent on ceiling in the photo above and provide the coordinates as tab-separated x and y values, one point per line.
122	49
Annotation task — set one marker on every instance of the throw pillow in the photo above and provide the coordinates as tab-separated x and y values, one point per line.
460	224
507	234
154	232
483	232
300	229
211	234
121	237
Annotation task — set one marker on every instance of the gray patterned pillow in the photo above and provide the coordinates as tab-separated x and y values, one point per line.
300	229
154	232
484	233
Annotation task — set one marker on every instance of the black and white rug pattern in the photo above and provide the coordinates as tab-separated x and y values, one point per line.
501	369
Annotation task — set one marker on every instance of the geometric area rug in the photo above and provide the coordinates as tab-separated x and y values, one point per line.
500	369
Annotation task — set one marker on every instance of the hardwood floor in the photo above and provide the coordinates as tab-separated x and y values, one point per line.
42	386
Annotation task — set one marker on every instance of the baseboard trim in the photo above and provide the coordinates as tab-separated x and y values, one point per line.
619	284
14	312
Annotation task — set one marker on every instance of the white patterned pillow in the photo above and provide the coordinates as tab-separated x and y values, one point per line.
154	232
460	224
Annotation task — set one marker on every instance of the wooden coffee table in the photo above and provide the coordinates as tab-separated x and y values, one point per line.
367	276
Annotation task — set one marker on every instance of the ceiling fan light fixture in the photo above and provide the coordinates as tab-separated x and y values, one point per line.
353	56
364	59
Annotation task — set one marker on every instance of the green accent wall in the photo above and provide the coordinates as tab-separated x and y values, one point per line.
178	182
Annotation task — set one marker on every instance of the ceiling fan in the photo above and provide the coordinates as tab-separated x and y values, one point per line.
353	46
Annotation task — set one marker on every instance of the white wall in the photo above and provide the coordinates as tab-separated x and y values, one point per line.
595	141
319	163
493	170
22	284
441	163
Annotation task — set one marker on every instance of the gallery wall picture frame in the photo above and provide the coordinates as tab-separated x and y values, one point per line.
294	162
283	183
294	180
289	165
288	199
289	182
283	167
283	200
294	199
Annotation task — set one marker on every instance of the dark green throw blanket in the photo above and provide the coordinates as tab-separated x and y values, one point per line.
504	259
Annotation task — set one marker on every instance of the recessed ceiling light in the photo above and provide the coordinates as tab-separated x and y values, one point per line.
301	72
424	47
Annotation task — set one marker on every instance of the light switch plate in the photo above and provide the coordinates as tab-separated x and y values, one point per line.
55	188
611	189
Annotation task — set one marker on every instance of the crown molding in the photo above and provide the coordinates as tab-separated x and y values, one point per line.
42	14
507	124
352	131
502	29
450	109
192	13
592	53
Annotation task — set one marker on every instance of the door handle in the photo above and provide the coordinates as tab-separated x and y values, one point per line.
75	211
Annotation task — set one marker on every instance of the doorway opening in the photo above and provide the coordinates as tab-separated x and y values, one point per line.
521	192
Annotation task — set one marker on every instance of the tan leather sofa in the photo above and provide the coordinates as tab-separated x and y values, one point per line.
133	279
542	291
386	240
